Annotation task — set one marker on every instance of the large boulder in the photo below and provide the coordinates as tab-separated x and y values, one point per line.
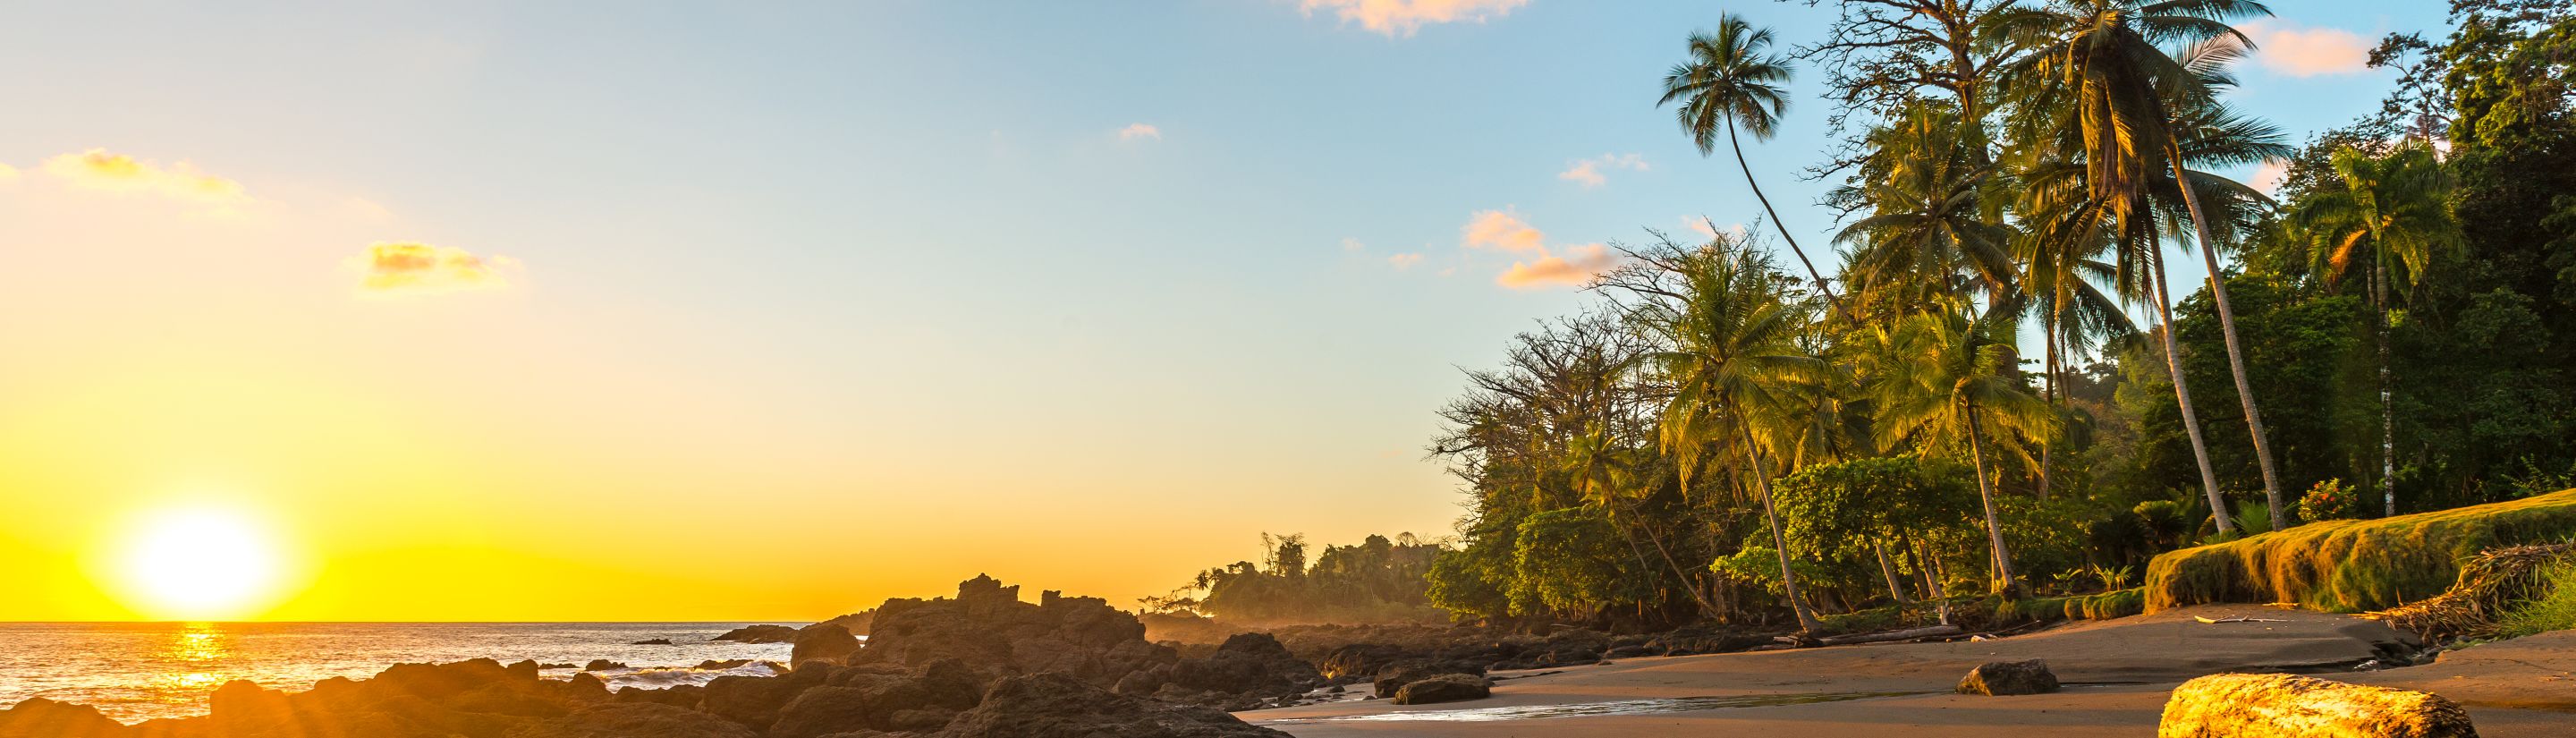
824	642
1060	706
634	720
987	627
1392	679
2248	705
1444	688
1998	678
1247	664
761	634
38	717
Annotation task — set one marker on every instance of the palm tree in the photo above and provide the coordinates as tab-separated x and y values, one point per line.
1927	234
1948	385
2099	73
2396	210
1732	81
1737	374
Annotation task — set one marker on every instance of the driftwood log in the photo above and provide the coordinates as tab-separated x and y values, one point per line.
1899	635
2287	706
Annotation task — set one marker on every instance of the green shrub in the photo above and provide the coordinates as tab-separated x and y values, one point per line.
2355	565
2329	500
2114	604
2555	609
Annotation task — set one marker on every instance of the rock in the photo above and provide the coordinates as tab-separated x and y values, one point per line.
823	643
602	665
760	634
1999	678
1248	664
1053	705
634	720
680	695
2233	705
38	717
652	642
1444	688
1392	679
988	628
714	665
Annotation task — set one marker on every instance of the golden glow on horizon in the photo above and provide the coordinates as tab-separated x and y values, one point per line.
200	563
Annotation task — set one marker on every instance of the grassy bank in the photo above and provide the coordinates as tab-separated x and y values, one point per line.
2355	565
2104	606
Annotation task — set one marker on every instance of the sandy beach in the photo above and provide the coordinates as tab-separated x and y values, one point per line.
2118	674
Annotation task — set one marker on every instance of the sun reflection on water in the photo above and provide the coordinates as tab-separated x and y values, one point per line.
194	652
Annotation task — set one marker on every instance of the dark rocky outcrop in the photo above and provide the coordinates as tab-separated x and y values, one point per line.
1999	678
602	665
1061	706
634	720
652	642
823	643
760	634
1248	670
989	628
1444	688
43	718
1391	680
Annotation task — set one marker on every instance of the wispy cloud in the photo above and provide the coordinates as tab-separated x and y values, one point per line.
1404	261
1504	231
1501	230
98	169
2307	52
1574	269
1353	245
1135	131
1588	171
2268	175
418	268
1404	17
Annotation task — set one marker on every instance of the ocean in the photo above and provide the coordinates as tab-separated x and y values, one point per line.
140	671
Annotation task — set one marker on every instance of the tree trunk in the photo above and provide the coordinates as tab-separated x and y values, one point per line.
1821	286
1930	568
2182	397
2004	581
2056	309
2227	327
1705	607
1895	588
2387	409
1779	543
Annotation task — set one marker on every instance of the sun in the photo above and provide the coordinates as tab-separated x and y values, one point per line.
199	563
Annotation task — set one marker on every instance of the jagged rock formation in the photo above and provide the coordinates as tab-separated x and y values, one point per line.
1998	678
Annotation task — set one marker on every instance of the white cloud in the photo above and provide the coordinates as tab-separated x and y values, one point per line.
2307	52
1135	131
97	169
1404	261
1588	171
417	268
1501	230
1404	17
1574	269
1353	245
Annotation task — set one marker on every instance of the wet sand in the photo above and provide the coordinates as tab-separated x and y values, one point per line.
2119	673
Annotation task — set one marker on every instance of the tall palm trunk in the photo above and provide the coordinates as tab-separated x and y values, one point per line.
2387	409
2056	404
1886	568
1821	286
2004	582
1807	621
2227	327
2182	397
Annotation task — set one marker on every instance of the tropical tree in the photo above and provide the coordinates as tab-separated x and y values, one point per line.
1737	374
2393	210
2099	74
1949	386
1731	82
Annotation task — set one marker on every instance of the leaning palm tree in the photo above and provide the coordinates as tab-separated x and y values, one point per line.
1928	234
1948	386
2099	74
1732	81
2395	210
1738	375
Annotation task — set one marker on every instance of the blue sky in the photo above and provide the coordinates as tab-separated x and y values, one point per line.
899	256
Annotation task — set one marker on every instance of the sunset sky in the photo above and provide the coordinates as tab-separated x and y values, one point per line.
771	311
